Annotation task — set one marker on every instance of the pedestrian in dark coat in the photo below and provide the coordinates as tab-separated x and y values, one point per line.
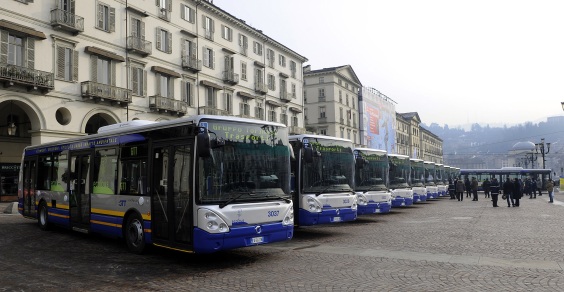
459	190
486	187
451	189
517	191
550	190
474	186
528	188
507	190
467	187
494	188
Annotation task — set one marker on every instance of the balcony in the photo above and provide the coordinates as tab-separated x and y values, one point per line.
243	50
167	105
101	92
230	77
342	121
261	88
66	21
206	110
139	46
285	96
208	34
295	130
191	64
32	79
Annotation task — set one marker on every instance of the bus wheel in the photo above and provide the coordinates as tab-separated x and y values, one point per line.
134	235
42	218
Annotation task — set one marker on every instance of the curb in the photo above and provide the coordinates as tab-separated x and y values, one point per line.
12	208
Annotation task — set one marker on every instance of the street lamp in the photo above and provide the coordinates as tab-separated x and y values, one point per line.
540	147
11	126
532	158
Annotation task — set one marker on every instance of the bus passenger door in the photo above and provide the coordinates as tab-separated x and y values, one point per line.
172	213
79	197
30	169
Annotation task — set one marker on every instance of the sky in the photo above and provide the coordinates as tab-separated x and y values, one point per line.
453	62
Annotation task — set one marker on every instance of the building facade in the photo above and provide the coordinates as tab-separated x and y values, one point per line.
331	102
69	67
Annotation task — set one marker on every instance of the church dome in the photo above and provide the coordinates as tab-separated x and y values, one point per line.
524	146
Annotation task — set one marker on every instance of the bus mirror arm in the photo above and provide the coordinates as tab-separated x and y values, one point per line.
203	143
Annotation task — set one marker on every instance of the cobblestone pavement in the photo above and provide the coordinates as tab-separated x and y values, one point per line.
442	245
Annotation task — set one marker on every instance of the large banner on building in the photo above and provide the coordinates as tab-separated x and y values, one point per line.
377	120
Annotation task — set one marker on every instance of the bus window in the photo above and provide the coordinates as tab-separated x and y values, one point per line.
60	177
105	172
43	182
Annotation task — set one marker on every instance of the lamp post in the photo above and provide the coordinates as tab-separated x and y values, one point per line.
11	126
540	147
532	157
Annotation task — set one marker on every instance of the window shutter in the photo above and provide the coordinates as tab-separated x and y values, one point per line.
183	90
4	47
60	62
206	57
113	68
212	25
183	11
192	15
100	15
112	19
213	59
94	68
134	22
74	65
183	48
135	80
71	6
158	85
190	94
170	87
169	5
204	21
158	41
30	53
194	50
144	93
169	39
142	24
158	3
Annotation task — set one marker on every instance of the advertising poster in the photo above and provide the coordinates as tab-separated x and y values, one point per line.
377	120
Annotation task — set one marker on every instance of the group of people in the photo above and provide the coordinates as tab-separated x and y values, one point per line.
513	189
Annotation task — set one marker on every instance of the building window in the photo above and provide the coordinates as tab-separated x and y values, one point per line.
208	27
165	86
271	82
293	69
321	92
188	92
245	108
138	81
15	50
243	70
294	92
164	40
294	122
342	132
209	58
211	97
270	58
259	112
282	60
284	116
189	50
243	44
67	64
165	9
257	48
341	117
347	99
105	17
323	131
226	32
321	80
103	71
340	96
188	13
228	101
322	112
271	114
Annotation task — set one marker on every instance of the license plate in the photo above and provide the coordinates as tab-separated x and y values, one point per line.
257	240
403	203
377	211
336	219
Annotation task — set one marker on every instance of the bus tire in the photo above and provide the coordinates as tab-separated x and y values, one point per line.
43	216
134	234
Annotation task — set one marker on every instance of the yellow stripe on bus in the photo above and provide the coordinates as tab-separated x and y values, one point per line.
177	249
116	213
105	223
58	215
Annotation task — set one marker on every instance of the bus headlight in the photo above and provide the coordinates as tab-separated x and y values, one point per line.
289	217
354	203
313	205
361	199
211	222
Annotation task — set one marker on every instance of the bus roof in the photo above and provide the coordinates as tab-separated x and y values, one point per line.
371	150
400	156
302	136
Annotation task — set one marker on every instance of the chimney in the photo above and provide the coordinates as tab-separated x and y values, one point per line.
307	68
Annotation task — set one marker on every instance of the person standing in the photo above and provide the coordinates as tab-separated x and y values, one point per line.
517	191
494	188
486	187
528	189
507	190
539	186
467	187
550	190
451	188
474	187
459	190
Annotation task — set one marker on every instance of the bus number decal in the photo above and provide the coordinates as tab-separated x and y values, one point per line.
273	213
346	201
121	203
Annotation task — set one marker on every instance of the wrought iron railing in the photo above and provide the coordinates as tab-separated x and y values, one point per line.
191	63
206	110
261	87
26	76
230	77
67	20
161	103
103	91
140	45
285	96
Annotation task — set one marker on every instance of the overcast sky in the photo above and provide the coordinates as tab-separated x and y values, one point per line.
454	62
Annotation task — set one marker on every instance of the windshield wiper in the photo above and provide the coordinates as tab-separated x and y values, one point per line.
374	188
280	197
235	198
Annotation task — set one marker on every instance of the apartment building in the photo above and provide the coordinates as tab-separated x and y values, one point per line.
69	67
415	141
432	146
331	102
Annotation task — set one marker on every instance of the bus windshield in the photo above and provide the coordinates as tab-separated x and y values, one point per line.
417	173
399	172
332	171
373	174
429	174
249	162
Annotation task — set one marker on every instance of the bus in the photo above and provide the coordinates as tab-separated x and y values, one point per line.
197	184
371	181
430	185
417	180
400	170
440	179
323	180
542	175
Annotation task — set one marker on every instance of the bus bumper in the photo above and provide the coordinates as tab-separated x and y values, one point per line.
373	207
327	216
205	242
402	202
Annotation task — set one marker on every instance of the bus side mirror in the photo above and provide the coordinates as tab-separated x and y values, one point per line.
203	143
308	155
360	162
292	155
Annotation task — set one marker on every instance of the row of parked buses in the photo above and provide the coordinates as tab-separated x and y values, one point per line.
208	183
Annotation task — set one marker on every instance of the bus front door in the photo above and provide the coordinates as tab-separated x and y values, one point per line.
171	199
30	168
79	197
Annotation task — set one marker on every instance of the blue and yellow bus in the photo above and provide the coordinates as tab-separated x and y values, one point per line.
371	181
197	184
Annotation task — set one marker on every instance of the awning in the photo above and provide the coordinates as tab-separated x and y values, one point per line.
188	33
245	94
211	84
228	51
104	53
273	103
22	29
165	71
295	109
259	64
137	10
283	75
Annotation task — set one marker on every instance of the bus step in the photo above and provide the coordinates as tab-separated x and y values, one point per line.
81	230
